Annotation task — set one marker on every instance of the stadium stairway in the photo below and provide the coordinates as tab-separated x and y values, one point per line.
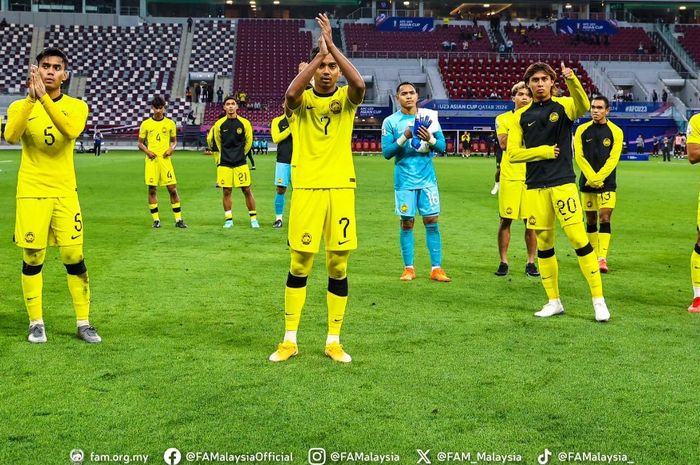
183	63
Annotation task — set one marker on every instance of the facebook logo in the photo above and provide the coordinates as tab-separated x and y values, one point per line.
172	456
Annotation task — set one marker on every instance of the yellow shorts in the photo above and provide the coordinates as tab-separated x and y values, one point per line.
233	177
594	201
511	200
698	215
546	203
40	222
160	172
322	212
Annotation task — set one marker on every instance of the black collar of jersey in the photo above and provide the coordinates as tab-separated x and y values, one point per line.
543	102
318	94
60	96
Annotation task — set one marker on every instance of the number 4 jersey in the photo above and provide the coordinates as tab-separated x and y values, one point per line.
322	130
46	169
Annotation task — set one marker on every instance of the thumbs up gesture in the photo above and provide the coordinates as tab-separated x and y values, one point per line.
568	73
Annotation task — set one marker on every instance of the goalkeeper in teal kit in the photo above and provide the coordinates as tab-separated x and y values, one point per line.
411	136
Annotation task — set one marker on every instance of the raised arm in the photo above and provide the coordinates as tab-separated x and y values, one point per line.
580	103
17	116
356	84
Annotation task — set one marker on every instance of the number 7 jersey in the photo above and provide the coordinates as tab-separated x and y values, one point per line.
46	169
322	130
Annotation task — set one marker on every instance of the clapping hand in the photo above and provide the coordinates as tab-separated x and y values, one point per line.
420	131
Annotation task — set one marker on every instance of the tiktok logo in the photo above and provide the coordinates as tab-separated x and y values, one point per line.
543	459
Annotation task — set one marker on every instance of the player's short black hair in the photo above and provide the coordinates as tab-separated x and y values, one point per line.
230	97
158	101
52	52
406	83
602	98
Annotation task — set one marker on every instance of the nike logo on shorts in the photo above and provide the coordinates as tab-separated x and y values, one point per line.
530	124
75	237
343	242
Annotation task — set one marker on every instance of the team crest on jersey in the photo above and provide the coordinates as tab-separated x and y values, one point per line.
163	129
554	117
403	208
306	238
589	204
607	142
531	220
509	210
239	130
29	237
335	107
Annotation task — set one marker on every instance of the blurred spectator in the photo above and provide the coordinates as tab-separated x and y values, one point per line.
640	144
189	24
664	96
654	96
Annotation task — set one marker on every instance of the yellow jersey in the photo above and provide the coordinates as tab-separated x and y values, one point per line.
47	130
693	129
157	134
509	171
322	130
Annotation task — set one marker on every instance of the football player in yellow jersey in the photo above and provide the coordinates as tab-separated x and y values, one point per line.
233	135
694	157
47	123
323	180
158	139
541	137
511	193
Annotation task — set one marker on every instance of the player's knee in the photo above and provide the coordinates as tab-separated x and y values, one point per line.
72	254
32	261
337	264
301	263
33	257
338	287
545	239
281	190
430	220
407	223
506	222
577	236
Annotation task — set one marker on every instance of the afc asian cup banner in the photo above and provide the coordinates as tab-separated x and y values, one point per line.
402	24
372	111
638	109
586	26
480	107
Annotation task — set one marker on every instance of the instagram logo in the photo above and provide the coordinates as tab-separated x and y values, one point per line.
317	456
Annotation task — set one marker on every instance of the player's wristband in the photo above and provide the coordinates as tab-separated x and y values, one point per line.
401	140
432	140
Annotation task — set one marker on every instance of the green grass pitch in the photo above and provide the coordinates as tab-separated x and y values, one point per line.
189	317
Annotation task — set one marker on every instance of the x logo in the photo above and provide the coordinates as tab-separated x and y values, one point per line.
423	457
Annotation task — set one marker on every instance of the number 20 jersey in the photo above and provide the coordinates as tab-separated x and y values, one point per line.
47	169
322	129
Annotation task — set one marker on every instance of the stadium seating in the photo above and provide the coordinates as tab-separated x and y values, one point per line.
690	40
268	52
212	46
124	67
15	45
622	46
412	44
477	78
